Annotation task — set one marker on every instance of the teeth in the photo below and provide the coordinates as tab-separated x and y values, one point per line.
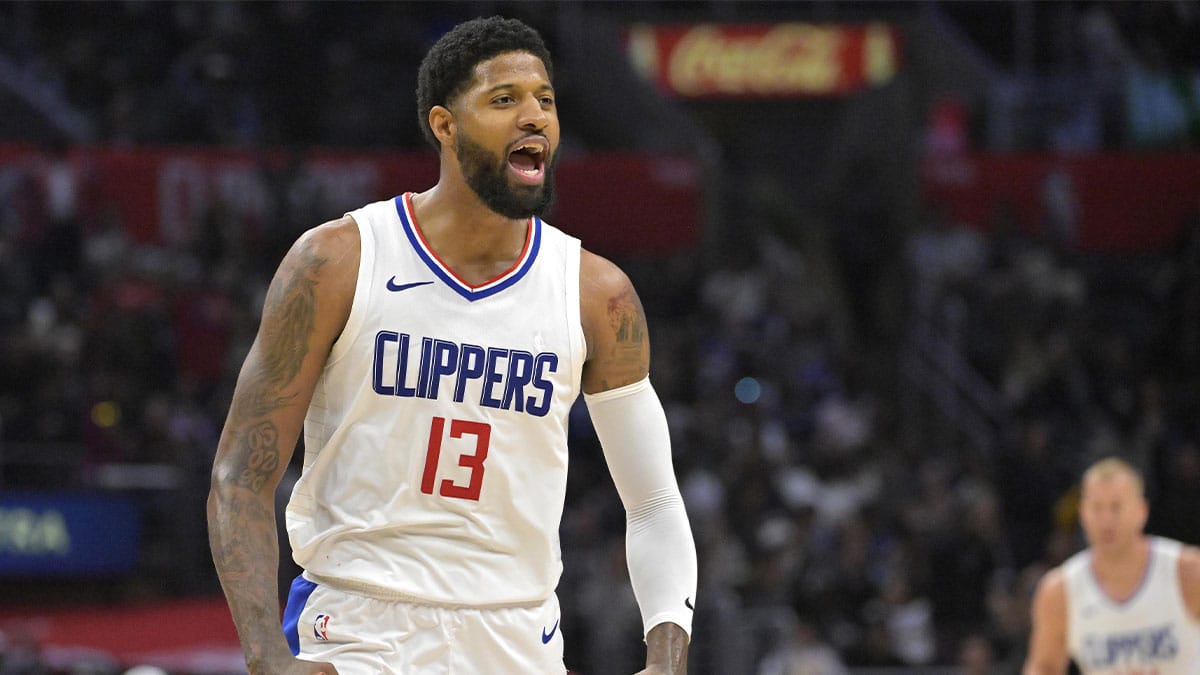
534	148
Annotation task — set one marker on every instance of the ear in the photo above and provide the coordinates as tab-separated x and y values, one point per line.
441	122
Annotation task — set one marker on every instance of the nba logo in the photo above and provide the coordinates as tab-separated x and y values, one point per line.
319	627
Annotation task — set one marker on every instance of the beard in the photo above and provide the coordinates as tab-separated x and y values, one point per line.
488	178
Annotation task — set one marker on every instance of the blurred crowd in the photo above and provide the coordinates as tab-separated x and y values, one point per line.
208	75
1066	76
826	533
830	535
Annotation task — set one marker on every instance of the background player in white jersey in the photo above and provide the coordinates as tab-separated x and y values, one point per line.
1129	604
431	347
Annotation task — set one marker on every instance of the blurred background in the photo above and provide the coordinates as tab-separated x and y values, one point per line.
908	267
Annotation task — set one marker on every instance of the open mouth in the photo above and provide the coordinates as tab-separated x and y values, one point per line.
528	161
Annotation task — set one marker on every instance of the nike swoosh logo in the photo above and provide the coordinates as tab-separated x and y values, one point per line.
687	602
546	637
393	286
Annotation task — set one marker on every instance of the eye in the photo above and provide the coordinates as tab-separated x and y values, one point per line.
503	99
547	101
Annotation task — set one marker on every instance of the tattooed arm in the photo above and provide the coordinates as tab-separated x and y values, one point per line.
305	309
614	325
632	427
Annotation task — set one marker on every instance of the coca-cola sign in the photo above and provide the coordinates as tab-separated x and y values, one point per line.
764	60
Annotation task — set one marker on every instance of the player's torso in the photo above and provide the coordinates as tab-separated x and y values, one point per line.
1151	633
436	456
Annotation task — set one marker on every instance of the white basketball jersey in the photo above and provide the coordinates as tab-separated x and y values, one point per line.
435	460
1151	633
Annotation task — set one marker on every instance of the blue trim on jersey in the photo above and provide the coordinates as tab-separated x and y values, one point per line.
470	293
297	598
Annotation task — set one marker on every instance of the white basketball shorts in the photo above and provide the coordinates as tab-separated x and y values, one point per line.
361	635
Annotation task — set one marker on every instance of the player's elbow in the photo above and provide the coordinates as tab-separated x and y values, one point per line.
229	480
220	487
653	505
220	479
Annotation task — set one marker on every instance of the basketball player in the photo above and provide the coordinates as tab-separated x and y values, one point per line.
431	347
1129	604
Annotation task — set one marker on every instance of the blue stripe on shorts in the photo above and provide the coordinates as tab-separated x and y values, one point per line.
297	599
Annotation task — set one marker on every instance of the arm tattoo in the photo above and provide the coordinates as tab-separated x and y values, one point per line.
628	357
233	545
290	317
295	306
626	319
242	526
262	455
246	555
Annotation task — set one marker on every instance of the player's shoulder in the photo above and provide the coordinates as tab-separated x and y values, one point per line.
324	260
600	267
1189	577
337	236
326	248
1189	564
1055	578
1190	552
1187	554
601	278
1052	587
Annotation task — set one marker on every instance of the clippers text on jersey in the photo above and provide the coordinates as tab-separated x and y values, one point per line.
507	379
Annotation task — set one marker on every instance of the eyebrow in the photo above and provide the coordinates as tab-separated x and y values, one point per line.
510	85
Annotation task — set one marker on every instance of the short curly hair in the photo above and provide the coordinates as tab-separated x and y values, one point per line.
447	70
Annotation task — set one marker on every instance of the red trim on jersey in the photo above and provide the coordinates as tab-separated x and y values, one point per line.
525	250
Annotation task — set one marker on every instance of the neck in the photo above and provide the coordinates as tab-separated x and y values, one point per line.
1123	558
458	225
1120	573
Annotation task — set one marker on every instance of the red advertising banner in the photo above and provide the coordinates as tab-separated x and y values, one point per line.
764	60
617	203
1117	203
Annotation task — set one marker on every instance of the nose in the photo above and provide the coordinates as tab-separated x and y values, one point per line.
532	116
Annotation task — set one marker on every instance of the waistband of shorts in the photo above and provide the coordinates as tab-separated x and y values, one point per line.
391	595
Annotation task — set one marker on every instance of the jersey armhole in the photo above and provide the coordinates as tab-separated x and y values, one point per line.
574	312
362	289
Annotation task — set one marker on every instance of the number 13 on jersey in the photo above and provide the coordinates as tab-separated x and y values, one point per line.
472	460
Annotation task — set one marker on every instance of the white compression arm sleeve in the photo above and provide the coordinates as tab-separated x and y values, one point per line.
632	428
